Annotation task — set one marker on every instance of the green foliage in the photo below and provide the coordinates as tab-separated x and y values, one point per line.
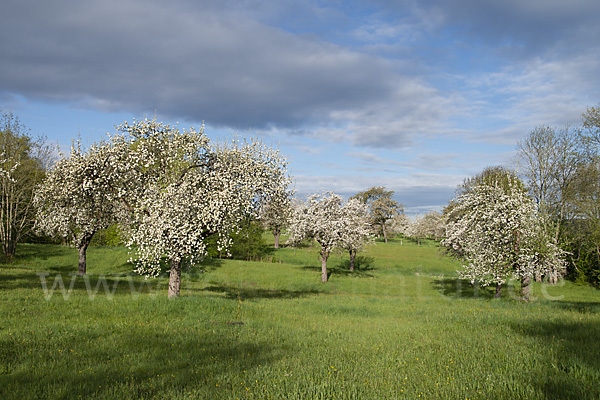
248	243
562	168
381	207
22	167
110	236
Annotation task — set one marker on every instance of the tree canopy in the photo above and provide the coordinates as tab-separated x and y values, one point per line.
382	207
80	196
496	229
23	161
332	223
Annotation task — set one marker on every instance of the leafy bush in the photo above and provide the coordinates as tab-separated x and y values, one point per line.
107	237
247	244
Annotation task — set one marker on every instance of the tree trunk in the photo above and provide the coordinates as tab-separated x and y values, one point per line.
82	246
324	256
384	231
562	215
498	288
352	257
174	278
82	258
525	288
276	233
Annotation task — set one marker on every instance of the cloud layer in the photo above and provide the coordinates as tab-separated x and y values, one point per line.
428	79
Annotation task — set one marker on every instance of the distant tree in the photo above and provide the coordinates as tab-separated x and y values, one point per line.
495	228
399	225
320	218
80	197
537	162
381	206
435	225
275	213
431	226
582	232
331	223
247	243
550	160
416	229
357	230
591	123
22	166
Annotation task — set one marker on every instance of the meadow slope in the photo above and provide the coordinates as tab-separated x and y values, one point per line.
401	326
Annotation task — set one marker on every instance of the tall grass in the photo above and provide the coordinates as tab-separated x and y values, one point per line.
401	326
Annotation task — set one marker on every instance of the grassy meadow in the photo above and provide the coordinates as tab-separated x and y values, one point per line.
401	326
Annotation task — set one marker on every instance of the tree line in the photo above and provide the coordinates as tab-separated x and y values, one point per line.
173	196
561	168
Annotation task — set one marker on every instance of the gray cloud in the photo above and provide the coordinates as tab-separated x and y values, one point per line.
311	68
195	63
526	28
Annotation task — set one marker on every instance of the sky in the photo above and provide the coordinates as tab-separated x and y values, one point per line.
411	95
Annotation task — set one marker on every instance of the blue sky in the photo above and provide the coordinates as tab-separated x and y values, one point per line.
411	95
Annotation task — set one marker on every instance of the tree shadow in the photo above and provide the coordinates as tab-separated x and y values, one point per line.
362	266
56	284
464	289
581	307
573	365
165	364
27	252
252	292
207	264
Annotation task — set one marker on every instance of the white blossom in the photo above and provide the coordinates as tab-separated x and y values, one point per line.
180	189
79	196
331	223
497	231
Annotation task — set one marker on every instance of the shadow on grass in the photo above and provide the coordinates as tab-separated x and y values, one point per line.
251	292
573	365
362	268
464	289
207	264
64	285
137	364
28	256
583	307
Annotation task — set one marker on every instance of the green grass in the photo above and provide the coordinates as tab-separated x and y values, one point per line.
401	326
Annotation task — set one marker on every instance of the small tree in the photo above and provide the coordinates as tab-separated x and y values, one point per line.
22	166
332	224
79	197
275	213
381	206
357	230
550	160
321	219
495	228
431	226
399	225
416	229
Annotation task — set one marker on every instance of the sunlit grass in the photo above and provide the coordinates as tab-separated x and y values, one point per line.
401	326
